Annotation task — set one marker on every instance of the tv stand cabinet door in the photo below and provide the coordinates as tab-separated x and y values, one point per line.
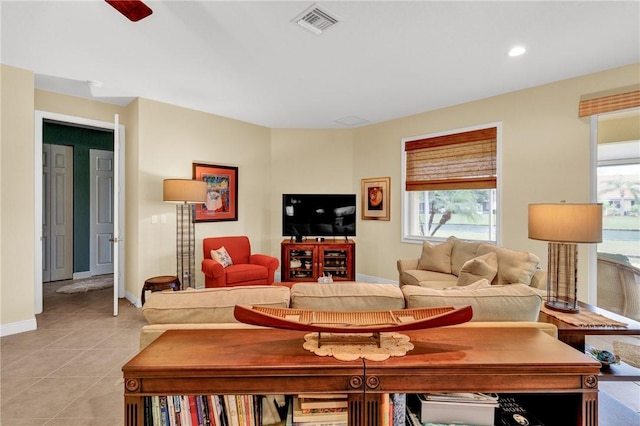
338	260
299	261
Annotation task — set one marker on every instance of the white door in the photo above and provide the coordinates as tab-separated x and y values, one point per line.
101	212
57	217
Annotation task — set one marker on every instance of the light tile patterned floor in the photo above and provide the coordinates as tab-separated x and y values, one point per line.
67	372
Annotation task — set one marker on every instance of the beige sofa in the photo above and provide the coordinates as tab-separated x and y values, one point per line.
457	262
493	306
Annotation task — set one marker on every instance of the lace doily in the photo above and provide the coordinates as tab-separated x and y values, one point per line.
349	347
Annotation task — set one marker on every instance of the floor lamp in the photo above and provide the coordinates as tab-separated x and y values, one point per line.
564	225
186	193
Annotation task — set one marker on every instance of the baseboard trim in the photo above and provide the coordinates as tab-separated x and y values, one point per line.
135	300
81	275
18	327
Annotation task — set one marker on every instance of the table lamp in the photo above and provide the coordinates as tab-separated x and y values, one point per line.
186	193
564	225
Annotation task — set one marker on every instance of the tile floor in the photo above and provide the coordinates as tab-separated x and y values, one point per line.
67	372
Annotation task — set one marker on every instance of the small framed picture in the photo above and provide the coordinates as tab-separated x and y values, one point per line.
222	192
376	197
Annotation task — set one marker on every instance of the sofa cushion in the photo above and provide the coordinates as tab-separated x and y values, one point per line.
417	276
513	266
350	296
516	302
212	305
485	266
222	257
461	252
436	258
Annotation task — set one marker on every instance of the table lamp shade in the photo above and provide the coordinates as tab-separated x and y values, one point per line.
184	191
564	225
564	222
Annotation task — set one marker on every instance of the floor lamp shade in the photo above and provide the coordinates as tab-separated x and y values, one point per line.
186	193
564	225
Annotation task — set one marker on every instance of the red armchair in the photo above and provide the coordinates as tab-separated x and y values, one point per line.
247	268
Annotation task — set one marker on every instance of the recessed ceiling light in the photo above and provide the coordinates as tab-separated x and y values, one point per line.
517	51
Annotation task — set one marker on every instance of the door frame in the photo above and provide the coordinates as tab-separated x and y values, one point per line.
40	116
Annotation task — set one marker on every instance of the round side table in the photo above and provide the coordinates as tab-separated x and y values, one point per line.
163	282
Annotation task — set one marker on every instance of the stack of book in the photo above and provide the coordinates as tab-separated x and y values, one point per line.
474	409
320	409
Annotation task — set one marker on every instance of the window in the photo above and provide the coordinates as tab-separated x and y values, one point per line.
450	185
618	177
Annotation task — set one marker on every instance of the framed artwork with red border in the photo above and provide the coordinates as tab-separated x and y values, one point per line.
222	192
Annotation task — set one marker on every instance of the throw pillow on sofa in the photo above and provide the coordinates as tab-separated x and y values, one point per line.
436	258
462	251
481	267
513	266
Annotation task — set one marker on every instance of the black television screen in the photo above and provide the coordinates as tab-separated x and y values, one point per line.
318	215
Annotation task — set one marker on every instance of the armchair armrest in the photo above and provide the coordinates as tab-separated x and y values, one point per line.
406	264
267	261
211	268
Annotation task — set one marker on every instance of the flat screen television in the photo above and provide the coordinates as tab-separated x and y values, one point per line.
318	215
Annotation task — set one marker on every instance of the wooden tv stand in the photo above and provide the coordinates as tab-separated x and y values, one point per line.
557	379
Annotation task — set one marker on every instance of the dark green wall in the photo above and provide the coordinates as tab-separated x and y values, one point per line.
82	140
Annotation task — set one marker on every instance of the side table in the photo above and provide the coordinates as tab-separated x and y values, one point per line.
163	282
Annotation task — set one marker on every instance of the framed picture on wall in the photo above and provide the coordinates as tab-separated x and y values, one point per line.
222	192
376	198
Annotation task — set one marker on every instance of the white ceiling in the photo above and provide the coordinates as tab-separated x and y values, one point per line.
249	61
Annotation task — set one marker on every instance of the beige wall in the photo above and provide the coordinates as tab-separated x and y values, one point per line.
171	139
312	161
545	157
17	236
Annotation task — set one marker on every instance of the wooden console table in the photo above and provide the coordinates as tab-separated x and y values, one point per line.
557	379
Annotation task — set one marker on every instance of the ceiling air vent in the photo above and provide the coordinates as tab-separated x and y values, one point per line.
315	20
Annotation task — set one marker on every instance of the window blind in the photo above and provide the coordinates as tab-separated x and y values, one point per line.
609	103
465	160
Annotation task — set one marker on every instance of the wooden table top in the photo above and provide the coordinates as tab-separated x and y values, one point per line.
442	350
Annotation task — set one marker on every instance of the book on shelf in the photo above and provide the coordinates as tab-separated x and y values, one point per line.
333	416
399	408
314	404
511	413
323	396
466	409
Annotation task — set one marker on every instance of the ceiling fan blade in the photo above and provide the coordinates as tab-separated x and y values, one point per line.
135	10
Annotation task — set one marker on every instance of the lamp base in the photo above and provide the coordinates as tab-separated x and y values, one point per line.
557	305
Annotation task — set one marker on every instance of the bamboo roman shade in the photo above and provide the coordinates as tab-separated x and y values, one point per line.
464	160
611	103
